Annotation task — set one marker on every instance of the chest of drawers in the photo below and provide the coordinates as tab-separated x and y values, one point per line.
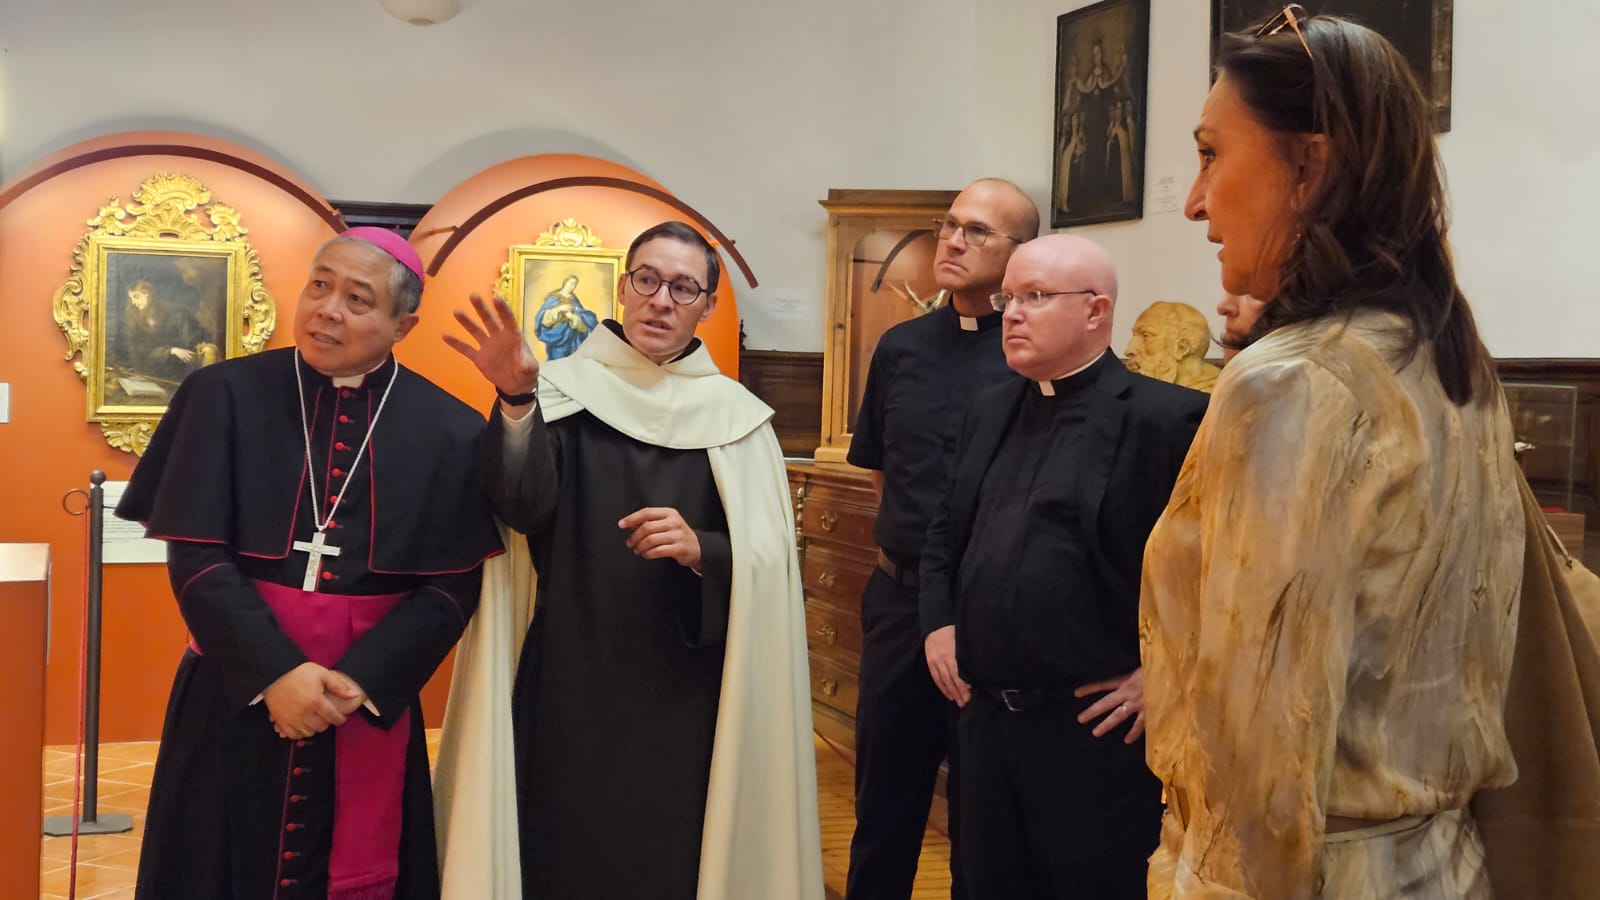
834	513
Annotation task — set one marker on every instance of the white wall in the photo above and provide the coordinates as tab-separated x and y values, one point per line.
752	110
1522	159
749	111
1161	257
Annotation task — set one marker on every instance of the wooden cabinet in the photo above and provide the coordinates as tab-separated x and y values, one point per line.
834	513
880	272
790	383
25	603
1563	467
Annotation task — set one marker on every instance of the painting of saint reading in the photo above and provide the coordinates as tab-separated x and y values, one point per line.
165	317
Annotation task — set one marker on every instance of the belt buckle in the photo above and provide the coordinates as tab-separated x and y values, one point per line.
1007	696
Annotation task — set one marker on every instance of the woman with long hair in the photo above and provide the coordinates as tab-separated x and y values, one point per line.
1329	602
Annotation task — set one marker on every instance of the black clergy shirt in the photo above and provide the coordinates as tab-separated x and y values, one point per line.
923	373
1028	596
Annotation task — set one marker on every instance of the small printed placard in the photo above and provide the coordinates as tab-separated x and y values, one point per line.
122	541
788	309
1168	195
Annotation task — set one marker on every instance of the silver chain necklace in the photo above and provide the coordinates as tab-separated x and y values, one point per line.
318	546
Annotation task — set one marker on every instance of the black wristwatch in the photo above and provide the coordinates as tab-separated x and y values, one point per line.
518	399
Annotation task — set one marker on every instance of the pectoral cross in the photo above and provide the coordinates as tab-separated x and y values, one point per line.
317	547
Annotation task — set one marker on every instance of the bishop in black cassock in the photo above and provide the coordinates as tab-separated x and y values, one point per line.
323	514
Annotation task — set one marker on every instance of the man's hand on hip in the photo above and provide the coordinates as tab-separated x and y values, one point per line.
1123	700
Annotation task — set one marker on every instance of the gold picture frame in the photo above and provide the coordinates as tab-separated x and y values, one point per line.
561	287
158	288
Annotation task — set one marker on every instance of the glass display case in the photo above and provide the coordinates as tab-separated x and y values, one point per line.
1544	423
880	273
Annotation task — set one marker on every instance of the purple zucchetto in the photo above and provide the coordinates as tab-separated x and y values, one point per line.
391	243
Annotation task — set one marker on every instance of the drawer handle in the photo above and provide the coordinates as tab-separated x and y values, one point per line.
827	633
830	687
828	578
827	519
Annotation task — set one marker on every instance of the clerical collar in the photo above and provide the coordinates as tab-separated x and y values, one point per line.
344	381
968	323
616	329
1074	381
348	381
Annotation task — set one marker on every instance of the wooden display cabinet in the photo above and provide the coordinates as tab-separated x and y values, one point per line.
880	273
834	513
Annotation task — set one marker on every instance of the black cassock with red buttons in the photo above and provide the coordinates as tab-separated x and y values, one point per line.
235	810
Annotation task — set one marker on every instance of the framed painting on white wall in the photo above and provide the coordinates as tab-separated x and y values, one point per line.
1420	29
1102	79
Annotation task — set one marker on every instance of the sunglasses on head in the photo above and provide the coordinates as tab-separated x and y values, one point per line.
1289	17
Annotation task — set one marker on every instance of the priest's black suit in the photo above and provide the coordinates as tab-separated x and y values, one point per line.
1035	556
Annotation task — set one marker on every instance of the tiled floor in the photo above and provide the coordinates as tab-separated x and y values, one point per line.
106	863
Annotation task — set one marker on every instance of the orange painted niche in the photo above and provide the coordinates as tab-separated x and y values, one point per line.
48	449
615	216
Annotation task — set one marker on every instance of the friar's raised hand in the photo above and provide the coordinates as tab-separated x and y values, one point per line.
501	353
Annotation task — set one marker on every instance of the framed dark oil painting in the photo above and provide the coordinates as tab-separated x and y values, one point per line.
158	288
166	314
1420	29
1102	91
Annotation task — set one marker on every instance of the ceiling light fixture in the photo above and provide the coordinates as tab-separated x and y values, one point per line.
421	12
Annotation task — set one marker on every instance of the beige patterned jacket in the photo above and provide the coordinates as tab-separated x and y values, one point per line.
1329	609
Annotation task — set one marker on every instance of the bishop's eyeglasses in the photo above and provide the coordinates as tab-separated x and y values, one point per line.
647	281
1030	299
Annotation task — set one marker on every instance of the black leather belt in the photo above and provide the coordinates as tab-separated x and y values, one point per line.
905	576
1018	700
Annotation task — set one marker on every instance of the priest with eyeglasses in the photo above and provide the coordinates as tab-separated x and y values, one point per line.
660	742
1034	553
326	532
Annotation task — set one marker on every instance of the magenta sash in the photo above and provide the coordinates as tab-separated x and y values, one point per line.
369	762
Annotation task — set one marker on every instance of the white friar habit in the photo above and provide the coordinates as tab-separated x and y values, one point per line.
761	836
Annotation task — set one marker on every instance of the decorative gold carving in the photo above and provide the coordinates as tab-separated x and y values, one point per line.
567	233
130	436
828	633
173	240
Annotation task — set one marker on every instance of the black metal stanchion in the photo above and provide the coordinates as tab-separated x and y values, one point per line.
91	822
